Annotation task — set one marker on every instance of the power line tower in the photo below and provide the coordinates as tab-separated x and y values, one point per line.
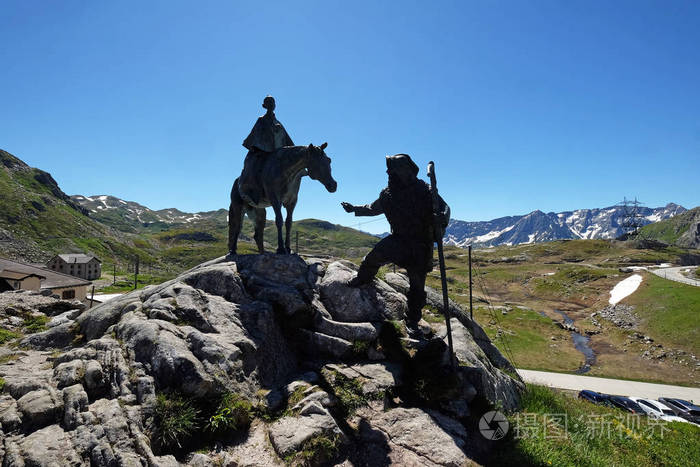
632	219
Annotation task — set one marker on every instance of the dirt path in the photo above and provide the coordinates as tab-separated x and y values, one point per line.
610	386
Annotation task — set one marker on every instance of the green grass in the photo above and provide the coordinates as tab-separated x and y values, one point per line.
574	438
527	335
570	280
175	421
669	230
2	383
6	335
35	323
233	413
669	311
348	391
317	450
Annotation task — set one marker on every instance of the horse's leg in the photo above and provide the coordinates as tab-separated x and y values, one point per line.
277	207
235	218
288	226
259	221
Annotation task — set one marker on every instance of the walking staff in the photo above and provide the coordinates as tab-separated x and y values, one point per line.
441	258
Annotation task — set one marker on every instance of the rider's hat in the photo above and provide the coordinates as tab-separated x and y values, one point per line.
401	162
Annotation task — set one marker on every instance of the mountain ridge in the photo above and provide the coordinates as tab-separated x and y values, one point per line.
537	226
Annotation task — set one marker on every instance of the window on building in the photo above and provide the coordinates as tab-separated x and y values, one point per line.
68	294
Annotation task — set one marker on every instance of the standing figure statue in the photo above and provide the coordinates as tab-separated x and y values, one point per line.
266	137
408	205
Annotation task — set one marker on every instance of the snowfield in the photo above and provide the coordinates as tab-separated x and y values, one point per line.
624	288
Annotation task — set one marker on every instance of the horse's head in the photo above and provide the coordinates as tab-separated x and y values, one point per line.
319	167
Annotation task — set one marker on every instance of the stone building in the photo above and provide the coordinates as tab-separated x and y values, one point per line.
79	265
34	278
15	280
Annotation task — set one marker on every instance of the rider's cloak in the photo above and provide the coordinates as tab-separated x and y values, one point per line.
267	135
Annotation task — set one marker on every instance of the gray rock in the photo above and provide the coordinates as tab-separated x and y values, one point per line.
75	401
375	378
413	438
316	342
369	303
40	408
351	332
317	396
145	390
94	322
19	387
200	460
49	446
59	336
289	433
221	280
162	346
10	419
94	377
63	318
69	373
489	381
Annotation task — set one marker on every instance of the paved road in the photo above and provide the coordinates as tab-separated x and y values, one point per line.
610	386
674	274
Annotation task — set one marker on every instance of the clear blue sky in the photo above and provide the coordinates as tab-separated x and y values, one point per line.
523	105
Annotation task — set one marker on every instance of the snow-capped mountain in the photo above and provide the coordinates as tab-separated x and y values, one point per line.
538	226
131	216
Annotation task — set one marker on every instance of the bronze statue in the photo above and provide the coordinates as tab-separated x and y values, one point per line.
266	137
408	205
271	177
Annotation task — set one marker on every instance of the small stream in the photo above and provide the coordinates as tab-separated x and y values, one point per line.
580	343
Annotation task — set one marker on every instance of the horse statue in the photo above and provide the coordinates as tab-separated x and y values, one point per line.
279	174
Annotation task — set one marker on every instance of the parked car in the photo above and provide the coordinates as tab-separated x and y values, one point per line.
626	404
683	408
595	397
658	409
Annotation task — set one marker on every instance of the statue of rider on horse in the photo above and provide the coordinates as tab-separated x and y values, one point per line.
271	176
266	137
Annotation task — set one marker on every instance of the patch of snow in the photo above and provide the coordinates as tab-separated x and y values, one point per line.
105	297
492	235
122	201
656	217
530	238
549	273
624	288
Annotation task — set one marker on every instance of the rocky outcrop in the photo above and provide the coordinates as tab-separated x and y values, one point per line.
327	363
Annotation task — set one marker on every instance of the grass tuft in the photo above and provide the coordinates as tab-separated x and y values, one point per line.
233	413
175	420
318	450
6	335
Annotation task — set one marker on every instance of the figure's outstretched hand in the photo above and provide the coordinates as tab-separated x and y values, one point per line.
348	207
